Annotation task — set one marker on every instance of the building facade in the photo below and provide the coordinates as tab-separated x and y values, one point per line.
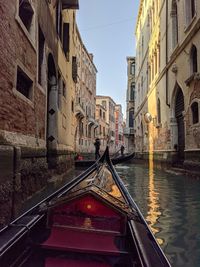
102	131
119	128
36	97
130	105
167	81
109	105
85	106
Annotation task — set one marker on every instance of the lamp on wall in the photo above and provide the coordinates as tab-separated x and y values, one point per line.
147	117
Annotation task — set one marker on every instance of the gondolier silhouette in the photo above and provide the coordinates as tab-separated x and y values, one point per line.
97	148
122	150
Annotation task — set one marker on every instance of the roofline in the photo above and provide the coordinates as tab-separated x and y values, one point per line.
101	96
139	13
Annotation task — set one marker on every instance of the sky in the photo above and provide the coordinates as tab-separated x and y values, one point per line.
107	28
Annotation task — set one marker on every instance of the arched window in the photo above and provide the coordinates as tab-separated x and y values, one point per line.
193	59
158	111
174	16
195	112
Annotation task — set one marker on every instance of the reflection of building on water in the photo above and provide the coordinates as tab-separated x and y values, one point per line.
153	205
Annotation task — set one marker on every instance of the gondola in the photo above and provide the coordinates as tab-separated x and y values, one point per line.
90	222
115	160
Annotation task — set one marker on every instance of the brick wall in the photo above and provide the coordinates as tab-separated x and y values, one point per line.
16	115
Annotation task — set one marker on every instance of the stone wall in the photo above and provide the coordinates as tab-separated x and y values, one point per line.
24	172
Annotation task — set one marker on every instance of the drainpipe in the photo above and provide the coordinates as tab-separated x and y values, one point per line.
167	91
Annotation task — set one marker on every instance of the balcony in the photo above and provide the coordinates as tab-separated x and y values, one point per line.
79	111
91	121
70	4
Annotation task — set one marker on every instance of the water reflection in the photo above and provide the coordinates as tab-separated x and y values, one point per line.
153	213
170	203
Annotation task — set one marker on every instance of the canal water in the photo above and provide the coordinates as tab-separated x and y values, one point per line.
170	203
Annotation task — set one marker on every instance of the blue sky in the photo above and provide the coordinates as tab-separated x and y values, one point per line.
107	29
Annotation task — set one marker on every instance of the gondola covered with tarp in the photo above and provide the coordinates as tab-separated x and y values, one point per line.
90	222
114	160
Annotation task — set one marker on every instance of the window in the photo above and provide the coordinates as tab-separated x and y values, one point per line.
195	112
24	83
158	111
66	39
193	8
104	103
193	59
74	69
86	130
132	92
174	16
59	20
89	131
190	10
81	128
26	14
41	41
100	113
133	68
72	106
131	115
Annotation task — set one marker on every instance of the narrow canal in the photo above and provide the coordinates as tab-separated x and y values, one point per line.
170	203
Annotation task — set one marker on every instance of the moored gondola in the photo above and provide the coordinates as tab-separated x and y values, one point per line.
92	221
115	160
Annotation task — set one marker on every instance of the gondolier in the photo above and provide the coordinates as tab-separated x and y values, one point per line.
97	145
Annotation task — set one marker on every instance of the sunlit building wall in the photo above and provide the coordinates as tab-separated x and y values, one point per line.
147	72
167	85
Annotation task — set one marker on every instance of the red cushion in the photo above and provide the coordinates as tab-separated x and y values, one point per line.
55	262
74	240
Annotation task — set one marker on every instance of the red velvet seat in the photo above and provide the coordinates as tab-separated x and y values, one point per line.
81	241
56	262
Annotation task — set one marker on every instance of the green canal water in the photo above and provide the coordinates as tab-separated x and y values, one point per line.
170	203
